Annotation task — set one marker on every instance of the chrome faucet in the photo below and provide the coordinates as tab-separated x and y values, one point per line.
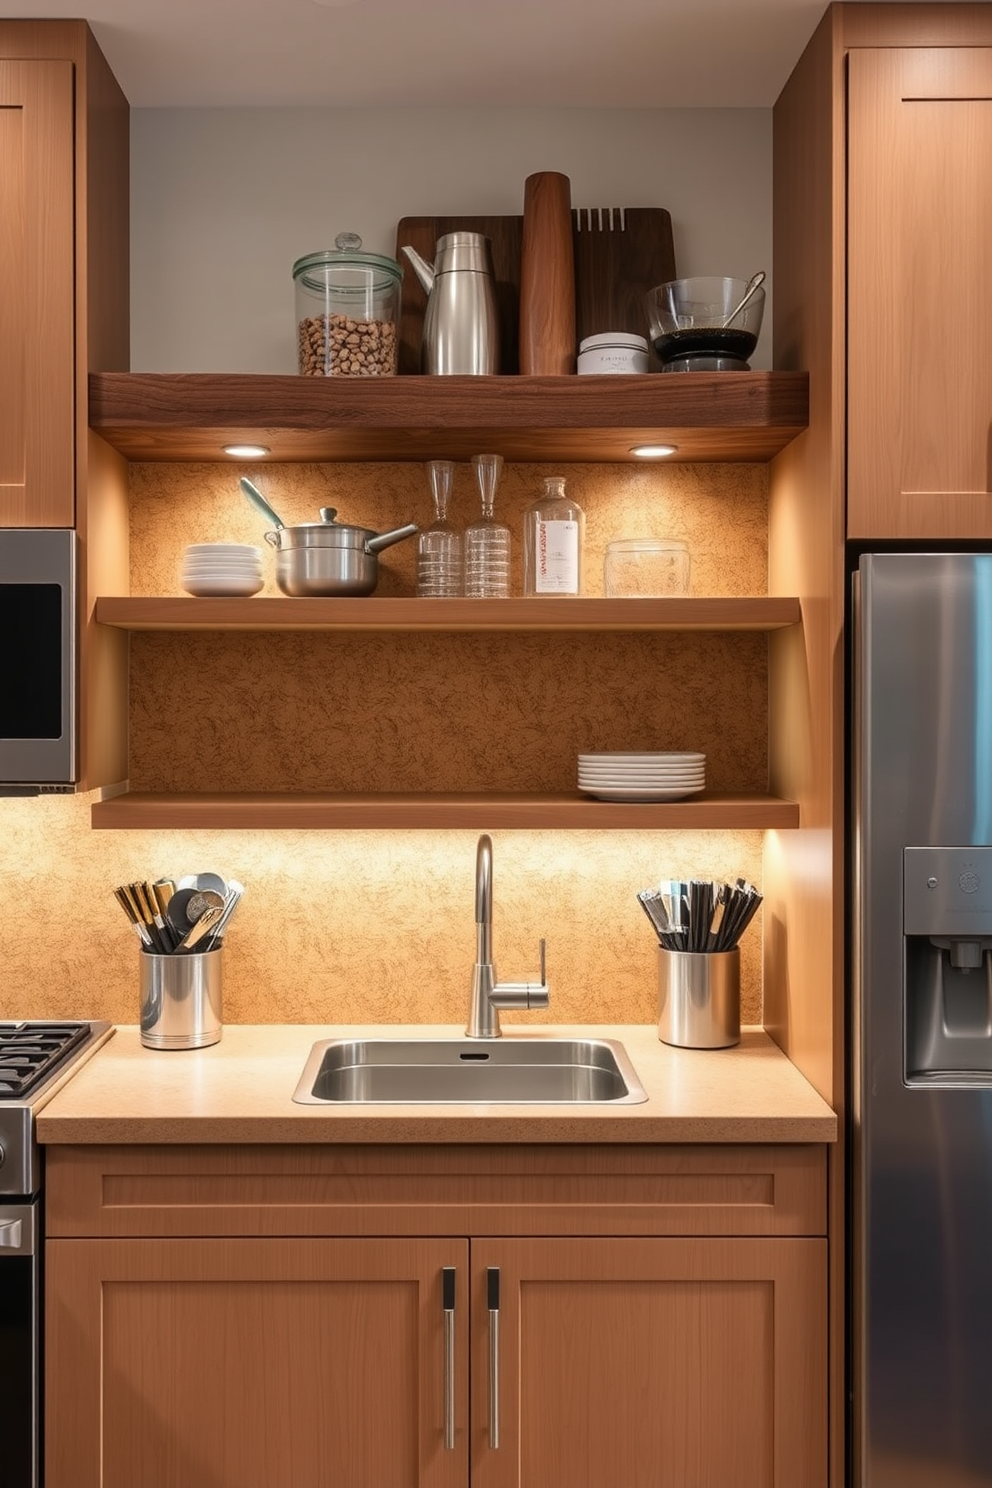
488	995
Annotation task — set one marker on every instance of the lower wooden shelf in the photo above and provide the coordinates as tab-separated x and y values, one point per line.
171	612
144	810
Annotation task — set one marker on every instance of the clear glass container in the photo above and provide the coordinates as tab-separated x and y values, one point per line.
347	311
487	542
645	568
554	533
440	556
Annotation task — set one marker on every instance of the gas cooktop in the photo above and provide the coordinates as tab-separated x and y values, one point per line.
29	1052
34	1057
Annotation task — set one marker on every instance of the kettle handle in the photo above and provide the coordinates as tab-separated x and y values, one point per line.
386	539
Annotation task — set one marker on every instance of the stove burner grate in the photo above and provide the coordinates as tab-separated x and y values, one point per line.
30	1051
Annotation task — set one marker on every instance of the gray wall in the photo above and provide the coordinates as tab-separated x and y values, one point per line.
224	200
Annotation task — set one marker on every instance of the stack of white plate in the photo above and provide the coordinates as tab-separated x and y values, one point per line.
222	568
642	777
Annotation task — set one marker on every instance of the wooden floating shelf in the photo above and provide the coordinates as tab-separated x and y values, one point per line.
764	612
711	416
422	812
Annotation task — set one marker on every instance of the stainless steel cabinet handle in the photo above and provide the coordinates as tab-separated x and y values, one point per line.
448	1302
492	1299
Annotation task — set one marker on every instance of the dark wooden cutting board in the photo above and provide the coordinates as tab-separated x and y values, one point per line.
619	255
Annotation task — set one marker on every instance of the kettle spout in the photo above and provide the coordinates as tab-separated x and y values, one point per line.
423	271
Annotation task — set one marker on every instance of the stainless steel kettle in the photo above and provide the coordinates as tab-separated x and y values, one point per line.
461	327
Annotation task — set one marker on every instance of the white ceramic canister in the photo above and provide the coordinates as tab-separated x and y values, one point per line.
613	351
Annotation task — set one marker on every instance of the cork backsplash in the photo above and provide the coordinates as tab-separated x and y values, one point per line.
341	927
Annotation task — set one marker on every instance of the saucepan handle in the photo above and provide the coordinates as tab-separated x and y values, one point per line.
386	539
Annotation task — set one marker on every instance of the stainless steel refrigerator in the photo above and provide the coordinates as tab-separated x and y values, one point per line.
921	1024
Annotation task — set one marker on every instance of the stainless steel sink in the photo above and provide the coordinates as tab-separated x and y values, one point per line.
522	1071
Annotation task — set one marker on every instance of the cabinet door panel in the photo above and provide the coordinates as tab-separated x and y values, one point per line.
652	1364
252	1364
920	293
37	428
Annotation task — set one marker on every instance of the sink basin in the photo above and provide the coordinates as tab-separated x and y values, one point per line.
527	1071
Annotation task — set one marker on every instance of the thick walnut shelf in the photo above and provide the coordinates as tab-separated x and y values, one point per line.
723	416
246	811
139	612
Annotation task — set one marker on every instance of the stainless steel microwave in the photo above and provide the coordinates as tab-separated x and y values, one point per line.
37	660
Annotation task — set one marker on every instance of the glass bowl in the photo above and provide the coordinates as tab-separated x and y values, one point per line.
645	568
690	328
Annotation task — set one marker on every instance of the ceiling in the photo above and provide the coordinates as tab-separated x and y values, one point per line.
403	53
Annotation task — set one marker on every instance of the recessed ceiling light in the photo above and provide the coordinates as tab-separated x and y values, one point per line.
246	451
335	4
653	451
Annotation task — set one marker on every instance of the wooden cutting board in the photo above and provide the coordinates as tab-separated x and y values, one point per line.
619	255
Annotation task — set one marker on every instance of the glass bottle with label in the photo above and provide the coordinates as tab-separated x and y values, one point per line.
554	529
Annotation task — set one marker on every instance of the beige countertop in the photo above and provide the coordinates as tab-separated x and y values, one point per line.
241	1090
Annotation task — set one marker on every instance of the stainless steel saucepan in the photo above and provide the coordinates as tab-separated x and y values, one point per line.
326	557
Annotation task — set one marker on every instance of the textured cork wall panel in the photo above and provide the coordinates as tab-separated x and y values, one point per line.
351	926
421	712
719	510
418	712
369	926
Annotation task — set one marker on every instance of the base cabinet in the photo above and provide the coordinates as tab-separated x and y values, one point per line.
649	1364
252	1364
326	1364
570	1351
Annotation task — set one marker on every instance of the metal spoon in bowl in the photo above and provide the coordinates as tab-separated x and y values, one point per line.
753	285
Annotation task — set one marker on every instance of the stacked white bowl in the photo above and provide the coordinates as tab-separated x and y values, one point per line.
222	568
642	777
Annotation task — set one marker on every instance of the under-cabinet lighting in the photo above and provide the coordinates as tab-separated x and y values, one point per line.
246	451
653	451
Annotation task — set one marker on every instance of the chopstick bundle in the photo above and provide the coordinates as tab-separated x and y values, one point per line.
700	915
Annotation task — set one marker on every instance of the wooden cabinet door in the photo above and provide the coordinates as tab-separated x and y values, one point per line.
253	1364
920	293
650	1364
37	340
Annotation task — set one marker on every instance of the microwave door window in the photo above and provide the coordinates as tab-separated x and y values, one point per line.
31	680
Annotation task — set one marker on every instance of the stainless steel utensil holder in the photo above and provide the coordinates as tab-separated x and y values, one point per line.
181	999
699	998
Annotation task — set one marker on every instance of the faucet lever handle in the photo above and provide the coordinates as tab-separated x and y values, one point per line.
544	979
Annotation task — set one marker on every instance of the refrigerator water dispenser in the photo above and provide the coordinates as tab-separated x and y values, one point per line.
947	922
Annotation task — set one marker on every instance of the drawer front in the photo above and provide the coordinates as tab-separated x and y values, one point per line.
421	1190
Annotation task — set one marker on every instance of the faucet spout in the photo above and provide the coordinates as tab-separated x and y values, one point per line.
484	899
487	995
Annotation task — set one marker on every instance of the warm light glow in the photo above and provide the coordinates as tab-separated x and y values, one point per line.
246	451
653	451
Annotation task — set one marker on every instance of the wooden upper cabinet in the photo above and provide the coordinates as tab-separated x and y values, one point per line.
920	293
37	400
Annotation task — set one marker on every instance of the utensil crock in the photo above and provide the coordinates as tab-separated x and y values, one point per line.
181	999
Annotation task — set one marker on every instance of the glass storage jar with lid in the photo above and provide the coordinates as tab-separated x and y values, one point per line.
347	311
